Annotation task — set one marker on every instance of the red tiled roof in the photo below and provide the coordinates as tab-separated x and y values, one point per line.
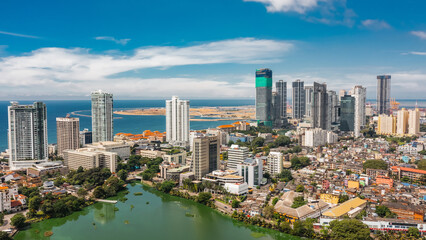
395	168
15	203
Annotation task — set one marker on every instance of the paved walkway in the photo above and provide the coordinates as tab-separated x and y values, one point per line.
106	201
7	218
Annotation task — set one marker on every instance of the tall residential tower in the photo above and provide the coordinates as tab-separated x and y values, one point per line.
177	121
360	94
298	99
68	133
383	94
264	96
102	116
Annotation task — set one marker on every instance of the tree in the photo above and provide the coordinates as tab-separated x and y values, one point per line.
4	236
300	162
343	198
298	202
384	211
257	142
274	201
282	141
300	188
268	212
235	204
18	221
349	229
34	203
99	192
204	197
375	164
166	186
303	229
230	143
285	227
122	174
59	181
422	164
413	232
81	192
285	175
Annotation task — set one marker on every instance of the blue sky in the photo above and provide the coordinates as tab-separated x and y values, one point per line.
207	49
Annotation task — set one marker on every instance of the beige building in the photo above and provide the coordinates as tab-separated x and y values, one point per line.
402	122
90	158
414	122
120	148
205	155
386	125
151	153
68	133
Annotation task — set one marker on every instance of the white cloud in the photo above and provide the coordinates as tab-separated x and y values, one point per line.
118	41
420	34
415	53
299	6
75	72
375	24
17	34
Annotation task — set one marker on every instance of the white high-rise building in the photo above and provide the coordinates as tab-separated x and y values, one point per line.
236	155
414	122
177	121
251	170
274	163
102	116
27	135
317	137
360	94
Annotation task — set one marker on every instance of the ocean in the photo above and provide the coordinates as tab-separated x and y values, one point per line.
124	123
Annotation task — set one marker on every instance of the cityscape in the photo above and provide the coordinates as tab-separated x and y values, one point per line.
222	139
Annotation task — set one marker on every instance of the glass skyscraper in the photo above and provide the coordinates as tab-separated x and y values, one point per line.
347	113
102	116
264	96
383	94
298	99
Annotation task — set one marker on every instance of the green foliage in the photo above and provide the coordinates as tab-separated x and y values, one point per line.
285	175
90	178
422	164
204	197
230	143
275	200
268	212
300	162
18	221
4	236
303	229
257	142
110	188
122	174
235	204
343	198
384	211
34	203
375	164
285	227
81	192
413	232
300	188
29	192
165	186
152	169
280	141
298	202
349	229
59	181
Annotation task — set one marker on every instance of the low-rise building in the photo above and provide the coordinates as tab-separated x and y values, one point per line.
349	208
90	158
252	171
236	188
121	149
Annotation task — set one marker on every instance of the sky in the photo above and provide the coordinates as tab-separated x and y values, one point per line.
139	49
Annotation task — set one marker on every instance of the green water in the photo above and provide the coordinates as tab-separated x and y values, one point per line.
165	217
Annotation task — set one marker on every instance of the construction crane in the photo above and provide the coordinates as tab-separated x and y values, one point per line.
394	104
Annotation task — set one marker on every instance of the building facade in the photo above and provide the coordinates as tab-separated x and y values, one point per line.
102	116
347	113
383	94
414	122
298	99
264	96
281	88
236	155
360	94
274	163
402	122
252	171
320	107
177	121
205	155
89	158
27	134
67	133
386	125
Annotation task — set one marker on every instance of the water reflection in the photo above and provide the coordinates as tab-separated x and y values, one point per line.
104	213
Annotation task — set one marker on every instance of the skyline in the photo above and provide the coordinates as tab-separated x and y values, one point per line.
129	48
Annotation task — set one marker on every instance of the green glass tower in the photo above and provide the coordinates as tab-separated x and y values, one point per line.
264	96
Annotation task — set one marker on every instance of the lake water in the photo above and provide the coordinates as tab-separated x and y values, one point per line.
163	218
127	124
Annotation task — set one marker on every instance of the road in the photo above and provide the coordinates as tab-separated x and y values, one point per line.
7	218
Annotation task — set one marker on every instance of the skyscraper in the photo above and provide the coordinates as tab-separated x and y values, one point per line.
414	122
102	116
347	113
402	122
205	155
320	108
383	94
360	94
236	155
27	134
67	133
264	96
308	102
333	108
177	121
298	99
281	87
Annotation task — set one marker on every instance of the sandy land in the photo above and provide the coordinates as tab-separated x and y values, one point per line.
204	113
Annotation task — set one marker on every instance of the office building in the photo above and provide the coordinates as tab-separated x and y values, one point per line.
67	133
308	102
320	107
89	158
402	122
383	94
360	94
177	121
414	122
27	135
281	88
102	116
205	155
386	125
347	113
333	108
298	99
264	96
236	155
251	170
85	137
274	163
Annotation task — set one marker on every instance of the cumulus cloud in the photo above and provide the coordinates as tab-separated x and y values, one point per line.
17	35
375	24
420	34
112	39
299	6
75	72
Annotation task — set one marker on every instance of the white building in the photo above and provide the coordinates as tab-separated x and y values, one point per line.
317	137
252	171
236	188
5	197
102	116
236	155
360	94
274	163
177	121
90	158
120	148
414	122
27	134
